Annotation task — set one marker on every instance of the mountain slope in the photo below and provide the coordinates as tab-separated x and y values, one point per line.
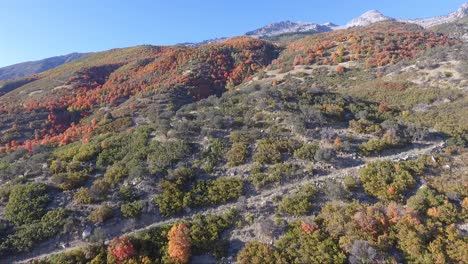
457	29
50	107
130	141
372	46
460	13
33	67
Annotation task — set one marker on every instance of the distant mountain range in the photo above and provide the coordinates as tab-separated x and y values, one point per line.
368	18
270	30
33	67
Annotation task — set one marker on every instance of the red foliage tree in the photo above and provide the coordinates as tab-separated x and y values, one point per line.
298	60
340	68
309	228
121	248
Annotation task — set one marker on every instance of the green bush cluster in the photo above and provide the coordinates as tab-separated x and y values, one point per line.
213	155
300	203
82	196
132	210
116	173
128	193
364	126
277	174
270	150
220	190
151	246
386	179
27	203
162	155
101	214
206	233
295	246
31	233
203	193
69	175
306	152
237	155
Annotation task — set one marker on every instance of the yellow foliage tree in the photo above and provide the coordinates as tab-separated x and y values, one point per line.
179	243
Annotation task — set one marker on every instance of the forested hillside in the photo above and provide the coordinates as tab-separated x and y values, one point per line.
346	146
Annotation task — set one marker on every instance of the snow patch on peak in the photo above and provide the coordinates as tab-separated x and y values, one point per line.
461	12
369	17
287	26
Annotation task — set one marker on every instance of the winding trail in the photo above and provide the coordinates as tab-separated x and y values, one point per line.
253	204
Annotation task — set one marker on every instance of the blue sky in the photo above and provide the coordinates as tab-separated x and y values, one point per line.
36	29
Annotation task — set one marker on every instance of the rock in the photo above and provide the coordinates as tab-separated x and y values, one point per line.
86	232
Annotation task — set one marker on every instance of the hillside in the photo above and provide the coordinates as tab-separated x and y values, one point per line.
57	100
33	67
346	146
374	46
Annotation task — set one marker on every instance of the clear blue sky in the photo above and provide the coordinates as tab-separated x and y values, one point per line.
36	29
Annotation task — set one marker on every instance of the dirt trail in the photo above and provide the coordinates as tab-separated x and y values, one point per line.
253	204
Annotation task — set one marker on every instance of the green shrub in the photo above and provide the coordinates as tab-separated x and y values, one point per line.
206	231
386	179
213	155
350	182
127	193
239	137
283	171
100	189
116	173
87	152
101	214
70	180
132	210
67	152
270	150
181	176
306	152
162	155
297	246
237	155
71	257
324	154
171	200
424	199
364	126
114	149
214	192
276	174
258	177
374	146
256	252
29	234
300	203
26	203
82	196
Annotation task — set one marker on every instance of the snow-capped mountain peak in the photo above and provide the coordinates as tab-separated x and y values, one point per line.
369	17
287	26
461	12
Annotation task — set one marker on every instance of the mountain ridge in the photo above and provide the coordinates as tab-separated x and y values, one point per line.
460	13
370	17
24	69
